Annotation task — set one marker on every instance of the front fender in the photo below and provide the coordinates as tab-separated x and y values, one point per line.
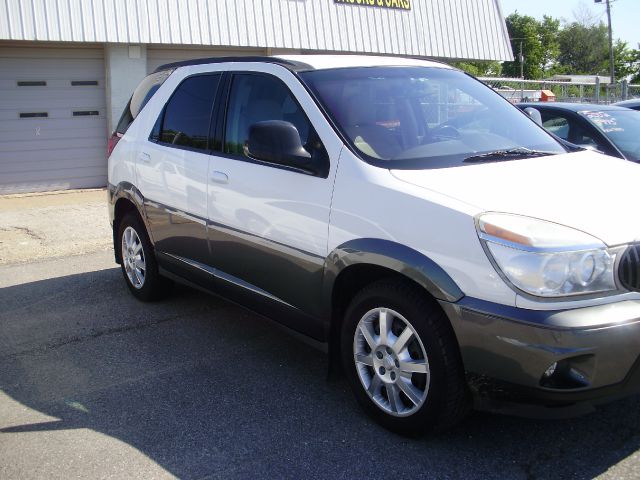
393	256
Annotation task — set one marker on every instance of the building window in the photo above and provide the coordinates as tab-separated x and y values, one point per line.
34	115
85	113
84	83
36	83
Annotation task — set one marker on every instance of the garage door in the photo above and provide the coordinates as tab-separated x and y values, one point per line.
53	127
160	56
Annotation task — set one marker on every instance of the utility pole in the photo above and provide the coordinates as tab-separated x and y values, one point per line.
611	69
521	58
521	73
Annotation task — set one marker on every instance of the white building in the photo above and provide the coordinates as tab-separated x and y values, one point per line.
68	67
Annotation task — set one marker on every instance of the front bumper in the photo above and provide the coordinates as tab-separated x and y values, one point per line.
507	350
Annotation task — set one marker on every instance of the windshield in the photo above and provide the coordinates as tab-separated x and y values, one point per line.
622	127
420	117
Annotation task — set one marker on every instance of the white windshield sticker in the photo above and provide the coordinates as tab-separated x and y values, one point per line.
604	121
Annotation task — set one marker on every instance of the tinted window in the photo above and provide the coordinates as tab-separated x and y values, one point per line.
556	124
188	112
256	98
571	129
622	127
140	97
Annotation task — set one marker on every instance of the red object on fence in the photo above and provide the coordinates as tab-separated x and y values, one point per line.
547	96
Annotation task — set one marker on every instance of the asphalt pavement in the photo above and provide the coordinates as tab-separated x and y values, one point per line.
95	384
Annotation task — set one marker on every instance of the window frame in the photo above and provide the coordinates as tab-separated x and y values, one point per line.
213	116
221	127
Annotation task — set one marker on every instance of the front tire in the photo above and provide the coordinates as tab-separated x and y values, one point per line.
138	262
401	359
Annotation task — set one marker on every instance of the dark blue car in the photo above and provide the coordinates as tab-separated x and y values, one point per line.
633	103
608	128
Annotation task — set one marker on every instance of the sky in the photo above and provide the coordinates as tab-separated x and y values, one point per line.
625	14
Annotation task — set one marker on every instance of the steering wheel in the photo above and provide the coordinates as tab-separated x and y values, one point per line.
445	132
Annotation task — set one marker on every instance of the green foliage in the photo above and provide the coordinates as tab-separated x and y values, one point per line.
523	31
578	48
548	30
626	61
539	40
584	49
480	69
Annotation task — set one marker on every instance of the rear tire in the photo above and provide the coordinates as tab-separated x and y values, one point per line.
401	359
138	261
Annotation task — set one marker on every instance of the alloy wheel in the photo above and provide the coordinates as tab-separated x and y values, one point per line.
391	362
133	258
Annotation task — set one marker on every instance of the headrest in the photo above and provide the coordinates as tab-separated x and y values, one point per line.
263	110
359	111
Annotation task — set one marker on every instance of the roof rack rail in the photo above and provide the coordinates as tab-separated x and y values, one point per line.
291	65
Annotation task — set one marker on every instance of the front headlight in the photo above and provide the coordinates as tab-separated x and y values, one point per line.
546	259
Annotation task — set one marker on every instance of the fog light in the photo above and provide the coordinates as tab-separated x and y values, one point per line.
572	372
551	370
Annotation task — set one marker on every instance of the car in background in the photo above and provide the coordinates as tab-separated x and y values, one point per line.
607	128
633	104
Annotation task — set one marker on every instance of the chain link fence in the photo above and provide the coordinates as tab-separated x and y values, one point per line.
518	90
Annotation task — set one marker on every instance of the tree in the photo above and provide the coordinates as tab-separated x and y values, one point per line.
539	41
584	49
635	79
548	31
479	68
523	31
626	62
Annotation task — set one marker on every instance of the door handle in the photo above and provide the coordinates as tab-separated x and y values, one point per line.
219	177
145	158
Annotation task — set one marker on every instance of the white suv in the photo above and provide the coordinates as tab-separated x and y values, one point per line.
447	249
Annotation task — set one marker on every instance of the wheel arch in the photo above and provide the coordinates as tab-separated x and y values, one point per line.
124	198
356	263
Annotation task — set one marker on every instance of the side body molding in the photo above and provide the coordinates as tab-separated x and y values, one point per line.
394	256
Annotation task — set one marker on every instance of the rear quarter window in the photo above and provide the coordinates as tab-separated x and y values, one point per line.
141	96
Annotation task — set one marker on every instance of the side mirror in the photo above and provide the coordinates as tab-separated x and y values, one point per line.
279	142
534	114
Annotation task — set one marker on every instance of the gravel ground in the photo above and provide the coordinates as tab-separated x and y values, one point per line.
39	226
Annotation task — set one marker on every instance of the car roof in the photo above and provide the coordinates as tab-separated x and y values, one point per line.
574	107
298	63
323	62
634	102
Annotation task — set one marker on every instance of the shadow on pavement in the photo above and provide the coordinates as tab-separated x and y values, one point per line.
204	388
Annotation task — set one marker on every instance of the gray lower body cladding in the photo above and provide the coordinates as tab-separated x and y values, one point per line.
574	358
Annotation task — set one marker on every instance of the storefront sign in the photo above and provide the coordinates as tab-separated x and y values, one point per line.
397	4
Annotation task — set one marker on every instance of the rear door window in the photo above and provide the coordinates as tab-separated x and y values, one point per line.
186	119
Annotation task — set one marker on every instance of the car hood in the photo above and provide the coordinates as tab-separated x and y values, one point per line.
584	190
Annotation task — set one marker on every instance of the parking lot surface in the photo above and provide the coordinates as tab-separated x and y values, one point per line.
40	226
94	384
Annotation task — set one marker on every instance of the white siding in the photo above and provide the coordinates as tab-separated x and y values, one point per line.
469	29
